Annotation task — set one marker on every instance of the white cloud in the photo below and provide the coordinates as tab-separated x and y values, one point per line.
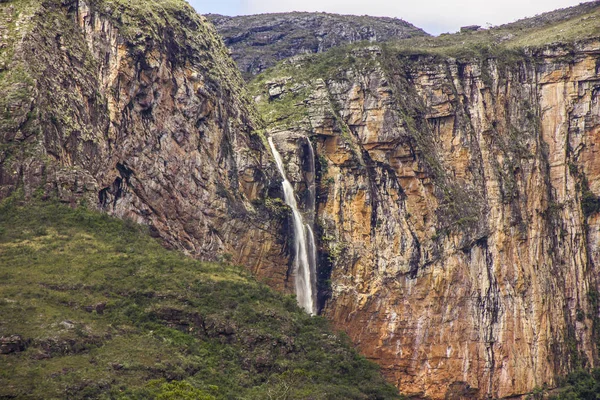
435	16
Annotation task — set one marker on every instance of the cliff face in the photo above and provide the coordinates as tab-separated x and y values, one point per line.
258	42
457	209
457	192
136	109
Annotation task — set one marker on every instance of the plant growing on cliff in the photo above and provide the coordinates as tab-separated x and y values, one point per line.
322	166
590	203
277	206
577	385
538	393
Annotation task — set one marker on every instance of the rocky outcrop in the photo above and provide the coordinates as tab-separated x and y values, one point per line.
257	42
12	344
457	206
137	109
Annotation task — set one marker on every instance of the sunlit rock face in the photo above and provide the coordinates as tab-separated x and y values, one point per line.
457	212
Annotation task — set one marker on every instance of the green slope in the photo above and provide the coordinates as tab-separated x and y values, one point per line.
92	307
554	29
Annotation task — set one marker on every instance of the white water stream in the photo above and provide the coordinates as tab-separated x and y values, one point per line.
305	257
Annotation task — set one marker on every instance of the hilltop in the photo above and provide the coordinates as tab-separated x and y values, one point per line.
560	27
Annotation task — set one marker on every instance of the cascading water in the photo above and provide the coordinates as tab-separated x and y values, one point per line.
304	244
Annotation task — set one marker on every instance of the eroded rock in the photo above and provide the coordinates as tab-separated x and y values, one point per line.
12	344
455	247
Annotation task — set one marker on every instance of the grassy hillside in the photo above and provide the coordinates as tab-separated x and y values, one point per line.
92	307
505	42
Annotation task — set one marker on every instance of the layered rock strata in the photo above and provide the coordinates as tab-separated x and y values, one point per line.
457	210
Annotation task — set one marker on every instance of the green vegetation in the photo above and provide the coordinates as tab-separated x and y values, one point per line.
505	44
580	384
335	63
507	41
16	87
95	308
298	79
274	206
590	203
16	83
14	23
285	111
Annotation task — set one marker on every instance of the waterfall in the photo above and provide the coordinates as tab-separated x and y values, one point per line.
304	244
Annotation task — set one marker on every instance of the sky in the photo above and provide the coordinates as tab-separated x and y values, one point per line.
434	16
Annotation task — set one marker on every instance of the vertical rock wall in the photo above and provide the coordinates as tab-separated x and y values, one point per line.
457	210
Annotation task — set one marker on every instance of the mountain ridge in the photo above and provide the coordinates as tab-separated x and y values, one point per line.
258	41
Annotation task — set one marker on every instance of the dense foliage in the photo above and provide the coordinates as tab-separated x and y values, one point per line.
92	307
580	385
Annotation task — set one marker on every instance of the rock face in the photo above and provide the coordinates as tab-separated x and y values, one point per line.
257	42
137	109
457	197
457	206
